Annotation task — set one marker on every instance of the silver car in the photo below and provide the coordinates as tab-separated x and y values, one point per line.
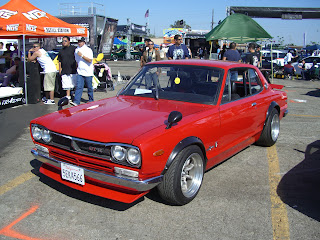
309	62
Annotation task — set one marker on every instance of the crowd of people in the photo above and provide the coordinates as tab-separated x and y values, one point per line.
76	64
9	64
75	68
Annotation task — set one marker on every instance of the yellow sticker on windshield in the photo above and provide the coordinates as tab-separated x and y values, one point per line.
177	80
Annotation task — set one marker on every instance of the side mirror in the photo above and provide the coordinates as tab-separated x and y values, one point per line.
174	117
62	102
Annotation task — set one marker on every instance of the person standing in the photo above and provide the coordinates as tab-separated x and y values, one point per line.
252	57
84	56
232	54
151	55
288	58
178	50
67	66
258	51
143	49
49	69
7	55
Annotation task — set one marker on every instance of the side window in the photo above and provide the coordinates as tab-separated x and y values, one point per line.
226	97
241	83
254	82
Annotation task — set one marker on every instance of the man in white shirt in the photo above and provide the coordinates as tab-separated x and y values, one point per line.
84	56
49	69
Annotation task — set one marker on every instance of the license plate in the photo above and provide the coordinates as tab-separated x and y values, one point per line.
72	173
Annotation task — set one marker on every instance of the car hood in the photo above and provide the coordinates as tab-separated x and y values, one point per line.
118	119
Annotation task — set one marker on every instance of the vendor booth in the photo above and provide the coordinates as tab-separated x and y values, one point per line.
21	20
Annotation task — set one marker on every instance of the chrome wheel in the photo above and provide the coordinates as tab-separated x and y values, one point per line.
275	127
191	175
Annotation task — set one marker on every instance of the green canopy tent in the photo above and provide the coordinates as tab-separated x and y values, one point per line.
238	28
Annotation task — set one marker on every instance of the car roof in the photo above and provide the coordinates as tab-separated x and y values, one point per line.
204	63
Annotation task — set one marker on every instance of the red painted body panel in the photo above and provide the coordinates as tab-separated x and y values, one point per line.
93	187
223	129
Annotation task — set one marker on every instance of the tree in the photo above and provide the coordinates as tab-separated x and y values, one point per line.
180	24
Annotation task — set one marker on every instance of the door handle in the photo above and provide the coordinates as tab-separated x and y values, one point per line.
253	104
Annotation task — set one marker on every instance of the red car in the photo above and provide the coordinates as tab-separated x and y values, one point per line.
173	121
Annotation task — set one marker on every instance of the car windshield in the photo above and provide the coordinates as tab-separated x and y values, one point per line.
194	84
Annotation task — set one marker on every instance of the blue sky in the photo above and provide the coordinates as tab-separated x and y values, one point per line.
198	15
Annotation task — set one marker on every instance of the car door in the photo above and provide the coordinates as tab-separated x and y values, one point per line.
240	107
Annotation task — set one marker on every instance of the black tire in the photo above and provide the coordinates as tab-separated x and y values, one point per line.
183	180
137	57
271	130
115	57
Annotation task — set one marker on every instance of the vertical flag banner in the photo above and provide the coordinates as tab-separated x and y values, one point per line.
147	14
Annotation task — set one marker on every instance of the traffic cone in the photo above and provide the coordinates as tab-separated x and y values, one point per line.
119	77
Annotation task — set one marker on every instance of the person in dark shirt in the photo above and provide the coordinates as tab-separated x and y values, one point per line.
67	66
252	57
258	51
178	50
288	70
232	54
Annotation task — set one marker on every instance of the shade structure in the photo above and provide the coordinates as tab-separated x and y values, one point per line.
238	28
19	17
313	47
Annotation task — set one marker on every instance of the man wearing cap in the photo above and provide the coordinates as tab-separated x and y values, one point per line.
67	66
84	56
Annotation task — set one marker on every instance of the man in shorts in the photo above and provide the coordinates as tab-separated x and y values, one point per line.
49	69
67	66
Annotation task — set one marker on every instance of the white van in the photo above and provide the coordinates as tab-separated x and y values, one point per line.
277	56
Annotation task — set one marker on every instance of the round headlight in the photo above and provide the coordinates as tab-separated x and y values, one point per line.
133	156
36	133
46	136
118	153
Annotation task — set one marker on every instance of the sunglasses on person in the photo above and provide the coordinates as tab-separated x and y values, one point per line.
35	46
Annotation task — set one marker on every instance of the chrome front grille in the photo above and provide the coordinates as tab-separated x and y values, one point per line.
82	146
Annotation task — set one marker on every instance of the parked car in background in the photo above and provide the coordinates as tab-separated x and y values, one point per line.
121	54
277	57
172	122
309	62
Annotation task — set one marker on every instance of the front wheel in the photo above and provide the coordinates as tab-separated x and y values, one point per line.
271	130
184	177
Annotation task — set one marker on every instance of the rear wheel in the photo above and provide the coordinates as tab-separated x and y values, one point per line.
137	57
271	130
184	177
115	57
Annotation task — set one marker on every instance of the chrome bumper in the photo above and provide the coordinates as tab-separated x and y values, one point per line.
137	185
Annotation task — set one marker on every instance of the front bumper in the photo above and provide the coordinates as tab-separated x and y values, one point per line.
136	185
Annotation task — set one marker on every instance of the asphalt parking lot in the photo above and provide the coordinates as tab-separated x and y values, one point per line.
260	193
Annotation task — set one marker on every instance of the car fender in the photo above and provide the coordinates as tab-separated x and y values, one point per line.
273	105
192	140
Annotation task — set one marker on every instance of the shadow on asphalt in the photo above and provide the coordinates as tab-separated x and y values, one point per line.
314	93
299	188
85	197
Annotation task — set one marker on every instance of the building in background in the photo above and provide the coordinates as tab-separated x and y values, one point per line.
101	29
